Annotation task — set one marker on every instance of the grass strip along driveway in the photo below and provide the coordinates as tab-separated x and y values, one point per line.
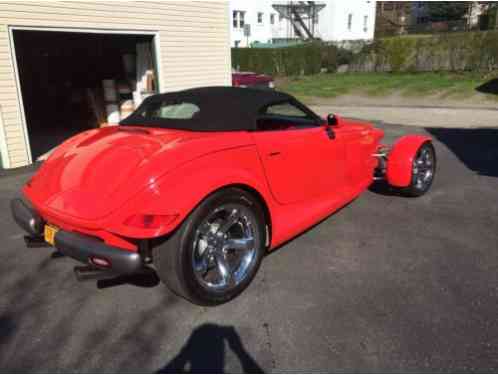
445	85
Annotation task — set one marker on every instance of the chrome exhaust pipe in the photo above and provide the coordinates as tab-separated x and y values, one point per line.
88	273
35	241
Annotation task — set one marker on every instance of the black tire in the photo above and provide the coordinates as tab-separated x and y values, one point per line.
173	259
415	189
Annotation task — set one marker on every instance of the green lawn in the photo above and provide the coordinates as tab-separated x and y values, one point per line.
457	85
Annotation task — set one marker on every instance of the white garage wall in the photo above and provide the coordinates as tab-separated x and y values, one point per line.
194	46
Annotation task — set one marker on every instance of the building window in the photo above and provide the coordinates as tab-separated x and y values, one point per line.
260	17
365	23
350	21
280	17
237	43
238	19
241	19
315	18
272	19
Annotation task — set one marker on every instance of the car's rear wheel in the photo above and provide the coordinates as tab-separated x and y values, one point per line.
423	171
216	252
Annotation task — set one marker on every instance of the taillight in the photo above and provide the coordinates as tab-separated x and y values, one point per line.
100	262
149	221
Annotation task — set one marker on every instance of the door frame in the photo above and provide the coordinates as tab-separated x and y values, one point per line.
156	52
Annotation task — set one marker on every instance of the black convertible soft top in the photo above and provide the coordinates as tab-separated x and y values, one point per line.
220	108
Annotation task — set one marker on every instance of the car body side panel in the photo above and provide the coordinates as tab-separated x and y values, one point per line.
291	220
177	193
361	141
313	179
301	164
400	159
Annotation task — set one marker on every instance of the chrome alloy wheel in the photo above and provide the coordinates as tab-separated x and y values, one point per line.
224	247
423	168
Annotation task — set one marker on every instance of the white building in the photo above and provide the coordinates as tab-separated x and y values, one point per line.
275	21
347	20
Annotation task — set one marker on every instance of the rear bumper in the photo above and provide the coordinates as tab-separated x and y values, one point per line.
26	217
84	248
75	245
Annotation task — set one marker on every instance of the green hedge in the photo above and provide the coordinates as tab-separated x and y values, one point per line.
441	52
287	61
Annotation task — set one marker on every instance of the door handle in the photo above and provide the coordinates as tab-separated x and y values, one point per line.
274	153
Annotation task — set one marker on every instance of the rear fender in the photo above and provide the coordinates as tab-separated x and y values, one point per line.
400	159
177	193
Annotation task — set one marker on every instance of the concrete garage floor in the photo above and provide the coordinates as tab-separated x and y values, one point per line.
386	284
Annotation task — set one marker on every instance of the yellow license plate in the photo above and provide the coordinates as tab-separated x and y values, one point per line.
49	233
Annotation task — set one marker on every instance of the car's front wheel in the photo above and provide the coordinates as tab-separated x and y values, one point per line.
217	250
423	171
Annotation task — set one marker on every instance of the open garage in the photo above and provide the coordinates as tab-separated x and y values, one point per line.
74	81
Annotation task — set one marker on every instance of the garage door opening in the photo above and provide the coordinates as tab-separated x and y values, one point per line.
74	81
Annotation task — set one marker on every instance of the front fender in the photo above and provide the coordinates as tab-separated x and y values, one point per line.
400	159
177	193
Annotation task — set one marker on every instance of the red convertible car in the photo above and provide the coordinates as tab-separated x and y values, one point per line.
200	184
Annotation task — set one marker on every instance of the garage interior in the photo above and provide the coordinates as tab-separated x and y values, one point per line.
74	81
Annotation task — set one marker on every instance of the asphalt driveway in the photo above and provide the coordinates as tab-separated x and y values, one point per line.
386	284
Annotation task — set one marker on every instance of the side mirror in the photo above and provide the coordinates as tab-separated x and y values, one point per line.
332	119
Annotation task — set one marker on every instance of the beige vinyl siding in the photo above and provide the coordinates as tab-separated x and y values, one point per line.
193	51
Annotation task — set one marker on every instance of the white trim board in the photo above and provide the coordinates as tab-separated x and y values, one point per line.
3	143
13	58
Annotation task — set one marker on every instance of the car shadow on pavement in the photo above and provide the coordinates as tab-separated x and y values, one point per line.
7	328
476	148
383	188
205	352
490	87
147	279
